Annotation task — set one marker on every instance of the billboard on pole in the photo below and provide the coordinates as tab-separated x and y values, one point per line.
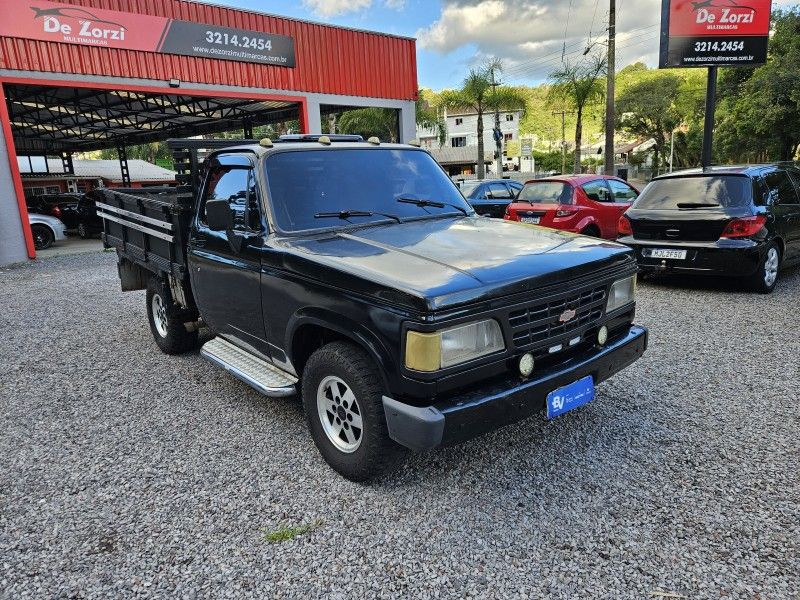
714	33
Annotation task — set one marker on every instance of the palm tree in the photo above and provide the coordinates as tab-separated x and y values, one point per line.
479	95
578	85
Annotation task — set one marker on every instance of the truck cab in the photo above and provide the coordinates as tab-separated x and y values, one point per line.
354	274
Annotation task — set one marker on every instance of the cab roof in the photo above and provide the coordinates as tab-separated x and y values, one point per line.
313	142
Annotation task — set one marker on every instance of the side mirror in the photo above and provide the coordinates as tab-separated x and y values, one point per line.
218	215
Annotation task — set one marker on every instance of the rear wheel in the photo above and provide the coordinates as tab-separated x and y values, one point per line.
766	276
591	231
43	237
165	320
343	401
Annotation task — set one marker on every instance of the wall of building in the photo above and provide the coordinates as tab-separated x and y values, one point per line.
12	248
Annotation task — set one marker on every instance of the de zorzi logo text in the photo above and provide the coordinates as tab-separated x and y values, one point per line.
74	22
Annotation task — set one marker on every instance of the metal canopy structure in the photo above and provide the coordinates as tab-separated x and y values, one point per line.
62	120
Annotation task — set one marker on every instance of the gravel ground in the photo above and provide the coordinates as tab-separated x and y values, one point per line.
125	472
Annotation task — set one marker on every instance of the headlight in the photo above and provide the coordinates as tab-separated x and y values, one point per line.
623	292
430	352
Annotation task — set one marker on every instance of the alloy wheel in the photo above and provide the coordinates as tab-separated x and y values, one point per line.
159	315
771	267
340	414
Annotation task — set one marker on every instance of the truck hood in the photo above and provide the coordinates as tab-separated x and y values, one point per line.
440	263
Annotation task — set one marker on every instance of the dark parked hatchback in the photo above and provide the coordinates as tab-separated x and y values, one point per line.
491	197
733	221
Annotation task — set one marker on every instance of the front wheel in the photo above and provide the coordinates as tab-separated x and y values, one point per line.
43	237
165	320
765	278
343	401
83	231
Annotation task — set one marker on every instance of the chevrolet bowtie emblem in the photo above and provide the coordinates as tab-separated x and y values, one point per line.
567	315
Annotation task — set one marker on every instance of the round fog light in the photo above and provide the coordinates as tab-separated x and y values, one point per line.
602	335
526	364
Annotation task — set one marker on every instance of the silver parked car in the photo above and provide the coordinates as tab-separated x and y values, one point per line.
46	230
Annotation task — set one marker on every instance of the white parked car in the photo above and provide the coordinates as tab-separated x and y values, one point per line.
46	230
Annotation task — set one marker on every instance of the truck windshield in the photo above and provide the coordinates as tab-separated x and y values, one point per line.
305	183
726	191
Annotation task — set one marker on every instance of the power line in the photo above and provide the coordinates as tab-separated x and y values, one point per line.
566	27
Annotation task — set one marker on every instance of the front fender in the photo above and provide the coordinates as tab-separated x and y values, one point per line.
347	328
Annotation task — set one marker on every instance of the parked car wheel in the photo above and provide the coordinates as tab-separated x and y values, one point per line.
343	401
165	322
765	278
83	232
591	231
43	236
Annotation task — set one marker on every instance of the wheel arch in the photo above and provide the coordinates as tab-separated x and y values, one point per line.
309	330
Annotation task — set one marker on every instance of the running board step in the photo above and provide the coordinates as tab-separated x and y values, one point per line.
254	371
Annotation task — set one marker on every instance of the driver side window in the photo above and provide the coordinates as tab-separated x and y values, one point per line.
622	191
235	185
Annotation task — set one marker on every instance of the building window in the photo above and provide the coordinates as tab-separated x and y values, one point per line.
458	142
459	121
508	137
509	117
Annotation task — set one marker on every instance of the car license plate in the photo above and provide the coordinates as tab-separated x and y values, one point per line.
570	397
667	253
531	220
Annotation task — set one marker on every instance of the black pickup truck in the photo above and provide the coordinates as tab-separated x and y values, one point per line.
356	274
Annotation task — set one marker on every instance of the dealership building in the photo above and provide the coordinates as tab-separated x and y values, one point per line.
84	75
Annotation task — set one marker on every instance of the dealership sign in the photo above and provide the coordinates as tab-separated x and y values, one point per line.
707	33
73	24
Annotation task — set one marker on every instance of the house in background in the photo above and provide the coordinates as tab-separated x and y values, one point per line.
462	132
47	176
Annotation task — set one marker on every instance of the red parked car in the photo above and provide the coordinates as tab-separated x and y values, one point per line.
587	204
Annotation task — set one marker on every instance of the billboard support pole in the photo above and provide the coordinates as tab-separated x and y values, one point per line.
708	128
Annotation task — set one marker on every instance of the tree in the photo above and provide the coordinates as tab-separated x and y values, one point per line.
368	122
478	95
578	85
647	110
429	117
759	110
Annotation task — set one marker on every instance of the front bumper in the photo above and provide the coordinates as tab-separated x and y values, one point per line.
734	258
506	401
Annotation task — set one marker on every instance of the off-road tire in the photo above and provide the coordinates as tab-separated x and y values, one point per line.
759	281
43	236
169	333
377	453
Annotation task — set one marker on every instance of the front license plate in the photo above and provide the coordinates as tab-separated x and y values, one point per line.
570	397
667	253
531	220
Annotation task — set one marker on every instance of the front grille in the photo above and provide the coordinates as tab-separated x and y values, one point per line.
539	325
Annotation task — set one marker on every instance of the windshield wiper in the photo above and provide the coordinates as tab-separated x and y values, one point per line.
345	215
697	205
434	203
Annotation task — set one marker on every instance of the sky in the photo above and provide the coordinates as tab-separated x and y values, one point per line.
531	37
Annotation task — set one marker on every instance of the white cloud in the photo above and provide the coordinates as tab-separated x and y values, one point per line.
332	8
529	35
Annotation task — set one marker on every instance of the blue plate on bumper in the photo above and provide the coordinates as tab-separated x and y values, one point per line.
569	397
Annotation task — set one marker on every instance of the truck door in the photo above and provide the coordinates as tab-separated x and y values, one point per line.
226	271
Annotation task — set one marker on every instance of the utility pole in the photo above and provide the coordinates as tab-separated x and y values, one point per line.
497	134
708	128
610	85
563	114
